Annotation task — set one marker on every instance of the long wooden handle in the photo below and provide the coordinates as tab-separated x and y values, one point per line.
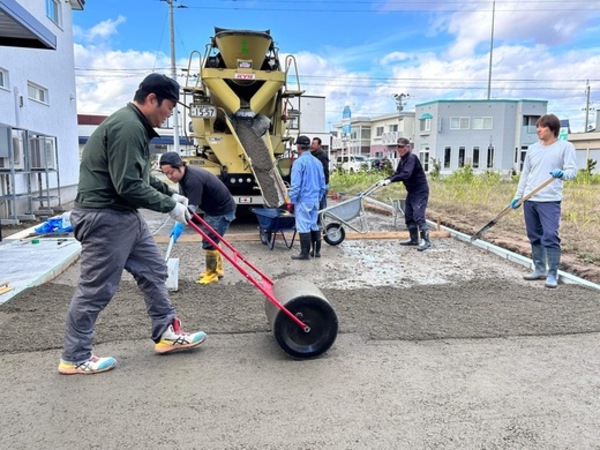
508	208
536	190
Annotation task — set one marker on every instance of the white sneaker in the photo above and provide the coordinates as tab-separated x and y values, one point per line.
93	365
175	339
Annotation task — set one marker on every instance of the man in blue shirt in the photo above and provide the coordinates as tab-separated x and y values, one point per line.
306	190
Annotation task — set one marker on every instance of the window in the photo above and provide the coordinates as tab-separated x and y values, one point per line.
53	11
37	93
424	158
461	156
529	122
490	157
379	131
425	125
3	78
482	123
475	157
447	154
459	123
393	128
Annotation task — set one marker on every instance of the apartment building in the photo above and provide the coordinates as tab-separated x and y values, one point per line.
38	116
485	134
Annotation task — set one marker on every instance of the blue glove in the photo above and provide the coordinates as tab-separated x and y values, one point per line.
326	187
557	173
176	231
515	203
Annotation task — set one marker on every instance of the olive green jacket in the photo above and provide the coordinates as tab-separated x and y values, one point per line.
115	166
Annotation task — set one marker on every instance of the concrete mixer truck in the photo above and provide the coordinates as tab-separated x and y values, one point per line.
240	109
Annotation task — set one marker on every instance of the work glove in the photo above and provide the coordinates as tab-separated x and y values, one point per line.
557	173
326	187
384	182
180	199
290	207
176	231
180	213
515	203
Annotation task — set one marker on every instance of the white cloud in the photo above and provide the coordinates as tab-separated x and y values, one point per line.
101	31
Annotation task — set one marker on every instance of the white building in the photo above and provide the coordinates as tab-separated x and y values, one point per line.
485	134
38	116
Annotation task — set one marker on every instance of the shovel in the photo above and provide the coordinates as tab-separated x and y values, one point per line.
502	213
172	268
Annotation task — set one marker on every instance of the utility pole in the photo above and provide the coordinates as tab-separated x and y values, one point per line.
489	89
587	106
400	101
174	76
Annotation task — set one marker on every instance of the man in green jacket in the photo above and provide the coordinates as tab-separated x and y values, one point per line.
114	182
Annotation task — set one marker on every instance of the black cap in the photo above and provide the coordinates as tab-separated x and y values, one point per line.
303	141
161	85
170	159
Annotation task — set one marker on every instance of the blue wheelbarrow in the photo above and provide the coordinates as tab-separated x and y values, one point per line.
273	222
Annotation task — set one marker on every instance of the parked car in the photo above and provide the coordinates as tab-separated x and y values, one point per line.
352	163
381	164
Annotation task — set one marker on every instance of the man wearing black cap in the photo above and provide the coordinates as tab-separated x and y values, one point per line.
114	183
411	173
207	193
307	188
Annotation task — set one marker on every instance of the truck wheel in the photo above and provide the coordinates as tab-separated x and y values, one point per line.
334	234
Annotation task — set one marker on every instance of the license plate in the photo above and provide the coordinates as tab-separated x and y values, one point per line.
244	199
202	111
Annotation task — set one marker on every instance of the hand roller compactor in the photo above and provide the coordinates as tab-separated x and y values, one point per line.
302	320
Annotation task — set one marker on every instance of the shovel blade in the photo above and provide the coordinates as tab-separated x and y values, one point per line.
172	274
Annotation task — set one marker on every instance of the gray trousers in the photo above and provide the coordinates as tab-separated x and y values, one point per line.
112	241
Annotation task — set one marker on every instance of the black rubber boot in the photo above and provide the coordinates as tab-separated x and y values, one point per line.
316	244
414	237
304	247
425	242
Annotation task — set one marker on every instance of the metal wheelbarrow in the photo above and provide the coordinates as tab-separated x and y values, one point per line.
302	320
335	217
274	221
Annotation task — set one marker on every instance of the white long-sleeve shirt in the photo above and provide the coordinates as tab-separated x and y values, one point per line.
539	162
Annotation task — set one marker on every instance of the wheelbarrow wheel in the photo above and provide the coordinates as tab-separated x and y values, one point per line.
334	234
307	303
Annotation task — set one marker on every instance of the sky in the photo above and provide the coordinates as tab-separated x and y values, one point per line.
359	53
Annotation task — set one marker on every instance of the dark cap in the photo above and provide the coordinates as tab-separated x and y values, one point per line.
403	142
303	141
170	159
161	85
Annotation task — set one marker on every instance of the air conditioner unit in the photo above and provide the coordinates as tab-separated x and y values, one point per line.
18	161
42	154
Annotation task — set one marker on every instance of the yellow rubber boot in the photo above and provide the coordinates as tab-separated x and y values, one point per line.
220	268
210	276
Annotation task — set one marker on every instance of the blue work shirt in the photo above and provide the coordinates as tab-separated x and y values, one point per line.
308	181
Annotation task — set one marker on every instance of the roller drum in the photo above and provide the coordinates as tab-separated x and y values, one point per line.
307	303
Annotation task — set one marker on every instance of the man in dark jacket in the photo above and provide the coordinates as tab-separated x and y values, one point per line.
208	194
114	182
411	173
319	153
